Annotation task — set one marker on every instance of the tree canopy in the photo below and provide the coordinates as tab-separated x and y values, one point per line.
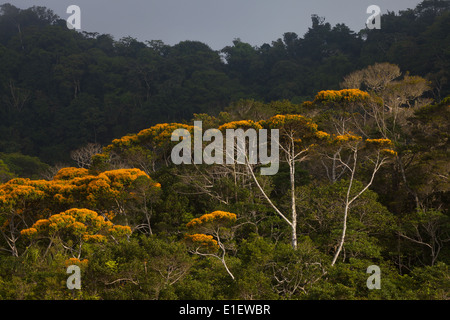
361	126
86	87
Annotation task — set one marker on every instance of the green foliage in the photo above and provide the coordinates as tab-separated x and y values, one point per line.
60	89
5	174
322	209
431	282
22	166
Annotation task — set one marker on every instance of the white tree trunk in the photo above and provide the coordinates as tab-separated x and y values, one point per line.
348	201
293	204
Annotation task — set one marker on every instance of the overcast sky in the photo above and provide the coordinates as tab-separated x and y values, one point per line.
214	22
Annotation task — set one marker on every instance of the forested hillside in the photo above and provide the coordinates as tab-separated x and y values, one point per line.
87	177
61	89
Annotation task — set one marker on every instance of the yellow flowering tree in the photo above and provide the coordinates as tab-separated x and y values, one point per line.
342	96
19	201
225	176
72	228
137	194
298	135
122	195
240	124
395	98
209	233
144	150
126	192
70	173
348	153
341	111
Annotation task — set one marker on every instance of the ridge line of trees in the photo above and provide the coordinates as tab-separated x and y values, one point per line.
61	89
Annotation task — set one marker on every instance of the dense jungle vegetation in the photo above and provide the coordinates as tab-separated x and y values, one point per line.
87	178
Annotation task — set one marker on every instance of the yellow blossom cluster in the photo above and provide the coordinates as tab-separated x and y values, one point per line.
161	133
216	216
78	222
389	152
281	120
243	124
94	238
77	262
156	135
346	138
204	241
125	141
307	104
120	231
70	173
34	202
70	186
18	190
122	178
322	135
29	233
345	95
84	224
379	142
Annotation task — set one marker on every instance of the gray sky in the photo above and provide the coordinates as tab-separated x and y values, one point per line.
214	22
